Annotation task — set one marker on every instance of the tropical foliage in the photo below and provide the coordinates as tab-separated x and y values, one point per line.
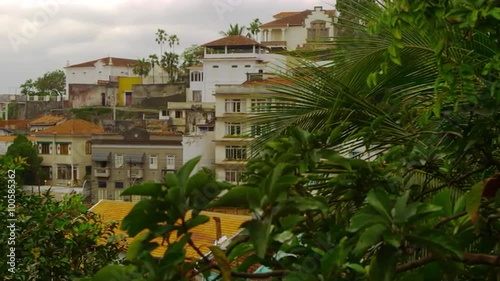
24	148
233	30
382	165
52	83
54	240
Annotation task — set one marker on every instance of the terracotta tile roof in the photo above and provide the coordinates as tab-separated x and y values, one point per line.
286	19
284	14
115	61
48	120
15	124
232	40
203	235
11	138
72	127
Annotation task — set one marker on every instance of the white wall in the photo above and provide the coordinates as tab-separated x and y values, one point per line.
196	145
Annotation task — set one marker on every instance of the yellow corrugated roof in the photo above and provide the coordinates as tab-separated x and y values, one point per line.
203	236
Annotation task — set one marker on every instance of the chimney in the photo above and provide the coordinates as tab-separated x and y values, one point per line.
218	228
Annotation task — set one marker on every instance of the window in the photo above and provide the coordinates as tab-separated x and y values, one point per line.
119	184
102	184
197	96
236	152
233	175
63	148
196	76
234	105
215	66
44	148
259	129
261	105
153	161
64	172
118	160
164	113
178	114
247	66
88	170
88	147
234	66
233	129
46	172
170	162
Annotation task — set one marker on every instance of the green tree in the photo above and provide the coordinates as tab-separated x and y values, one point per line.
416	96
24	148
191	56
161	38
153	61
54	240
142	68
170	63
233	30
52	83
254	29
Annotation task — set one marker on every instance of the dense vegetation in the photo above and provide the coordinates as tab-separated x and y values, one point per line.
413	91
53	240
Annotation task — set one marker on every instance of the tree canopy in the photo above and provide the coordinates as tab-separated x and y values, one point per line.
52	83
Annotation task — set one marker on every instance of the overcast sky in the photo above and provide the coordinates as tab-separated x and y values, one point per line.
42	35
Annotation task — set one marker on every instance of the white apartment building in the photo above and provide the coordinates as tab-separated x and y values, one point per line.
298	30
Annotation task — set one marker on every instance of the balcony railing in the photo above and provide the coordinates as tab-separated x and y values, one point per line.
102	172
135	173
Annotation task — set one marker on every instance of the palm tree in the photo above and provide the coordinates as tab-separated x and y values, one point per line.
233	30
172	41
254	29
161	38
390	88
170	62
142	68
153	60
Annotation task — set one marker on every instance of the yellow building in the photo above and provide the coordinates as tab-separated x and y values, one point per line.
67	152
125	89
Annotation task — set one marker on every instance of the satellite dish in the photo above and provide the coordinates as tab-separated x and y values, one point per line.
86	189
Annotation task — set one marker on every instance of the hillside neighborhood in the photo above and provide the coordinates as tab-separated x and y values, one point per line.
157	126
358	141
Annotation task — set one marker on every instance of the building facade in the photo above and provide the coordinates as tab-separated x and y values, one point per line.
233	132
66	152
122	160
299	30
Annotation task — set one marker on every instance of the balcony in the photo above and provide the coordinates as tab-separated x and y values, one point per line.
274	44
135	173
102	172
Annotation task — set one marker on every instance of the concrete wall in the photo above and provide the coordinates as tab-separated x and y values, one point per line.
84	95
150	94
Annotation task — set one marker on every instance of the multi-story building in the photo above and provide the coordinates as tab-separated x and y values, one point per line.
228	60
122	160
233	132
66	152
299	30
